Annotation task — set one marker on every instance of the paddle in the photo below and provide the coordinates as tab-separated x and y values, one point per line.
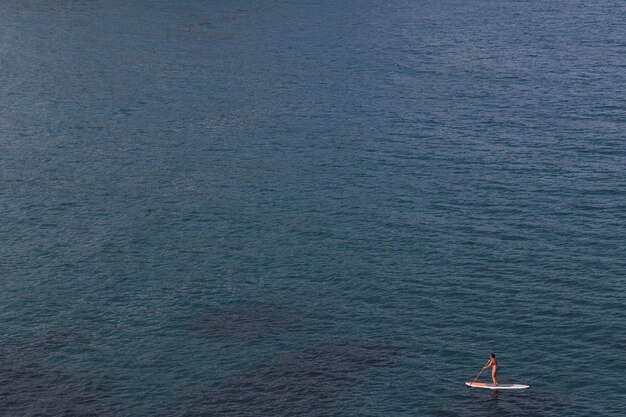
481	371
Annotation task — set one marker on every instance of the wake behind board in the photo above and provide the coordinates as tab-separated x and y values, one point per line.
499	386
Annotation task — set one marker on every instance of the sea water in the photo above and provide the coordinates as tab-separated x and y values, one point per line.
312	208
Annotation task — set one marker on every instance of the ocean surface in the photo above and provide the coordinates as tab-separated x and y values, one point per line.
312	208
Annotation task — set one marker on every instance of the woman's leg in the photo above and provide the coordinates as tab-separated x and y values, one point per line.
494	371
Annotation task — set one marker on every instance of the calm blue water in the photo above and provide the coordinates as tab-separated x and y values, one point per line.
311	208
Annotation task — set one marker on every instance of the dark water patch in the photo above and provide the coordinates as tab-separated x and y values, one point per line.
28	388
309	381
247	321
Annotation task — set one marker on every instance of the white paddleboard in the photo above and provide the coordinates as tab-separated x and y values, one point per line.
491	386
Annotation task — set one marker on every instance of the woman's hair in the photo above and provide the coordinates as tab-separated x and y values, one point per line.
493	355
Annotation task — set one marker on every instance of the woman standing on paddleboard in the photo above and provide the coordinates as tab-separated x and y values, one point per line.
494	370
